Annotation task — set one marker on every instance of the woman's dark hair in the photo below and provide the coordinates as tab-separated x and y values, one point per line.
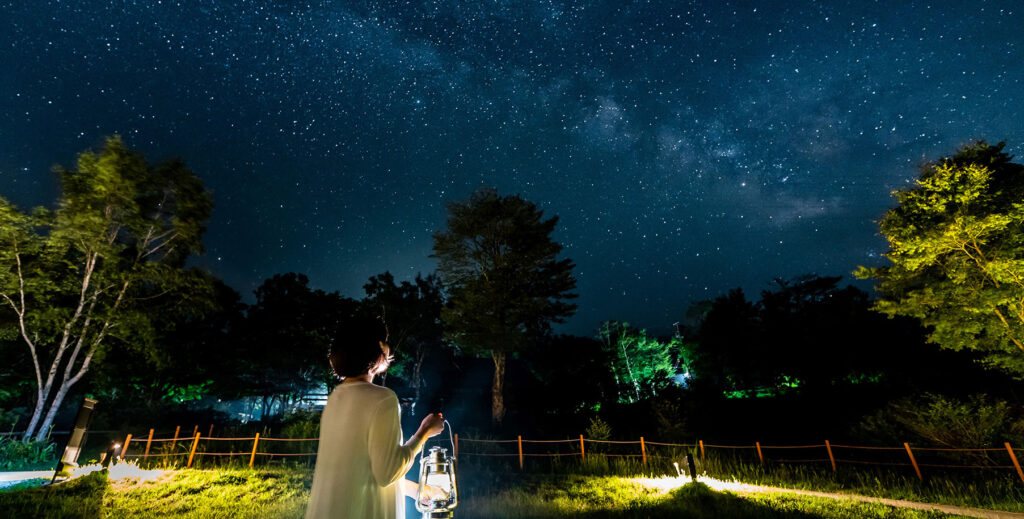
356	345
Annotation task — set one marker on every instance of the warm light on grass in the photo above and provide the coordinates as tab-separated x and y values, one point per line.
121	470
667	484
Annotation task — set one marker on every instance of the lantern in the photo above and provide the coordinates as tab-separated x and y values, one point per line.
437	470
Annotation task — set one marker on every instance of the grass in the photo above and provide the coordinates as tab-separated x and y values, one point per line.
282	492
617	497
242	493
998	490
992	489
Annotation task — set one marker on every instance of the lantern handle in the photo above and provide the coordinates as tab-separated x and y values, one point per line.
450	438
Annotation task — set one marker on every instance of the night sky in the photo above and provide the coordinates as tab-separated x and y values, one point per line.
687	147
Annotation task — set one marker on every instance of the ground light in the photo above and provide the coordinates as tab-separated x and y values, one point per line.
69	460
669	483
120	469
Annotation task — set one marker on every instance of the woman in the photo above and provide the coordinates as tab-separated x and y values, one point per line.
362	459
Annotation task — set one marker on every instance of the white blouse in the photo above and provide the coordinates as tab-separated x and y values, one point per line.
361	458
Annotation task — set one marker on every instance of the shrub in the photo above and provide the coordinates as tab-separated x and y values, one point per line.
30	455
949	422
671	424
598	429
8	419
301	424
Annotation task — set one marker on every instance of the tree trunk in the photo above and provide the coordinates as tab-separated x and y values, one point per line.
51	415
37	413
417	373
44	391
497	389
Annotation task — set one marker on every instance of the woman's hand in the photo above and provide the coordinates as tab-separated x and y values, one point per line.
432	425
432	493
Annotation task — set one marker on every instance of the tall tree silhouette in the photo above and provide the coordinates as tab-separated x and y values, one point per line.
505	283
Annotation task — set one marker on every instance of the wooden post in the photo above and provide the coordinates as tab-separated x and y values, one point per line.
210	434
174	442
456	447
124	448
1016	463
830	456
701	448
913	461
520	453
252	457
759	455
194	431
643	450
149	441
192	453
582	456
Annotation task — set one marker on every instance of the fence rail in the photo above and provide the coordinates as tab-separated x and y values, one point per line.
578	447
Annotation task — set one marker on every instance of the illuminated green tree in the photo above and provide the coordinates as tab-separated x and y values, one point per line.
76	279
956	243
505	282
641	364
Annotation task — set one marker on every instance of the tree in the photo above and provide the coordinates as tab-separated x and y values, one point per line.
807	335
956	243
412	311
558	364
284	340
641	364
193	358
727	354
505	283
74	277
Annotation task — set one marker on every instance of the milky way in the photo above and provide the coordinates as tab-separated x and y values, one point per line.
687	147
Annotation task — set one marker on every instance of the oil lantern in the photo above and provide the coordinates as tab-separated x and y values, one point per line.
437	471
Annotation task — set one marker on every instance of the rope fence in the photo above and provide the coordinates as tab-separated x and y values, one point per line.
936	457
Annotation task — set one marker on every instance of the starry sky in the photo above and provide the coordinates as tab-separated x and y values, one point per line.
687	147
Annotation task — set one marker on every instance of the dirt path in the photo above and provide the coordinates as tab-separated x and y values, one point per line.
743	488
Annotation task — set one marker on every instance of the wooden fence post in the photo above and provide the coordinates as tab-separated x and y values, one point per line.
913	461
194	431
192	453
701	448
210	434
830	456
252	457
456	447
124	448
1016	463
643	450
520	452
174	442
582	456
759	455
149	442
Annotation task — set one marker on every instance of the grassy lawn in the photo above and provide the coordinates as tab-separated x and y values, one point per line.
990	489
997	490
282	493
268	493
616	497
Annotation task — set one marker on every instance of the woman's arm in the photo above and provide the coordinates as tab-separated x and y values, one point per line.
389	460
432	425
410	488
